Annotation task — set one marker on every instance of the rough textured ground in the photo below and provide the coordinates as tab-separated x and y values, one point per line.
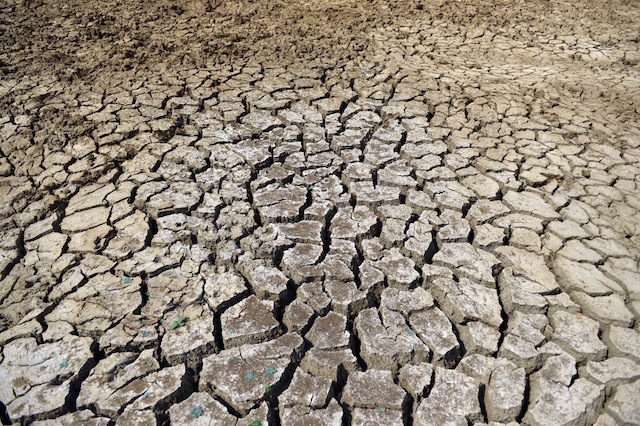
319	213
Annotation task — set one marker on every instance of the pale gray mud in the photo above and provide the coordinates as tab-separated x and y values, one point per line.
319	213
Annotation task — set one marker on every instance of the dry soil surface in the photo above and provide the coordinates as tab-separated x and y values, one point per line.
319	212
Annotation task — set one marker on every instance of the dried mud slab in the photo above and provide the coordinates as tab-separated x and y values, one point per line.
259	213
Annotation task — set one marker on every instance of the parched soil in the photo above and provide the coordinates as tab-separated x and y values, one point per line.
319	212
90	39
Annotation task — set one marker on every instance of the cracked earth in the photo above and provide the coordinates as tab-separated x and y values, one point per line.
321	213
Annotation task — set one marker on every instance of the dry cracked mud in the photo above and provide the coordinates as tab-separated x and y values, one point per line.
319	213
